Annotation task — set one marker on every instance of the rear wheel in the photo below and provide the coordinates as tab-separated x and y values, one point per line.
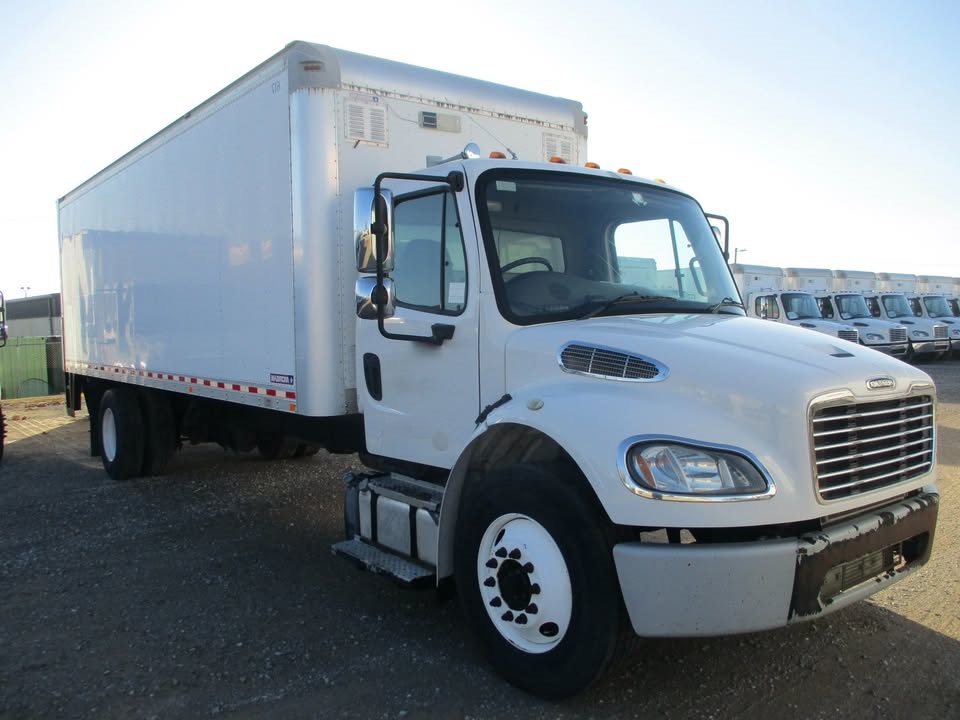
121	433
535	572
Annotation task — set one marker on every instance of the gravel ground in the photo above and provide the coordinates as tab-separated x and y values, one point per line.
212	592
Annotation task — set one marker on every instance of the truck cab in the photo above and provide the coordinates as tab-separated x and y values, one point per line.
929	338
767	297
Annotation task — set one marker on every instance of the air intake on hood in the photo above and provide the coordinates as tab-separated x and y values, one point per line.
610	364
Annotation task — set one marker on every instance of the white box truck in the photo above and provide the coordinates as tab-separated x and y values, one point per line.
769	297
849	306
544	366
891	299
933	301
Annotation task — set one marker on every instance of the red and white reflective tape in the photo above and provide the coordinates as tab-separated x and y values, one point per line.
186	380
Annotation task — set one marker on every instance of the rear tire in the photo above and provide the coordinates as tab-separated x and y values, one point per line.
535	573
121	433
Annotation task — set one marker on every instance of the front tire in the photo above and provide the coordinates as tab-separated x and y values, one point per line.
121	433
534	569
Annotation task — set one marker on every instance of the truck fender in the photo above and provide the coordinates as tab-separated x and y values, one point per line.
500	426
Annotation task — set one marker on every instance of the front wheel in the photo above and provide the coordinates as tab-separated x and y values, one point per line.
535	572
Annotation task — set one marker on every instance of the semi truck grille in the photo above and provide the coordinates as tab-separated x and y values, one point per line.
861	447
940	332
898	335
851	335
609	364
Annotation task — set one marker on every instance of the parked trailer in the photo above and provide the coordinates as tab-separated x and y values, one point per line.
849	307
768	296
544	366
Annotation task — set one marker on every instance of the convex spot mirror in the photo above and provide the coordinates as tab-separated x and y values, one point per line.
369	296
372	212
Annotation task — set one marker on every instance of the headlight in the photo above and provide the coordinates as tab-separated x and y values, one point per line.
919	333
875	337
661	469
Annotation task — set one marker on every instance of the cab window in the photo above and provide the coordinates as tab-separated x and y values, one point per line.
430	270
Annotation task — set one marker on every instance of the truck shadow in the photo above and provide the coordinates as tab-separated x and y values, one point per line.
213	590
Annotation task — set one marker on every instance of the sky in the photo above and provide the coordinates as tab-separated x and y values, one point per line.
825	130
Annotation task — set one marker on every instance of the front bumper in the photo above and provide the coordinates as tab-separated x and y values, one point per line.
897	350
930	347
700	589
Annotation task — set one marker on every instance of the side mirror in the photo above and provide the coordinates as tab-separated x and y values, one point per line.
369	295
373	229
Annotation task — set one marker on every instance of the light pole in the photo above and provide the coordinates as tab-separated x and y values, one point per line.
736	251
26	289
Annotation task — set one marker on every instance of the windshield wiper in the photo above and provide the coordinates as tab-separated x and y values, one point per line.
726	302
625	298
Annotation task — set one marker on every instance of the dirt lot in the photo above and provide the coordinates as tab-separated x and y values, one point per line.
212	592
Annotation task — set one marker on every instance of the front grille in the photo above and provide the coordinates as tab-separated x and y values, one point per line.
898	335
610	364
861	447
940	332
851	335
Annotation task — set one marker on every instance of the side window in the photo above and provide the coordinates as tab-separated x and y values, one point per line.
915	306
656	255
766	307
430	269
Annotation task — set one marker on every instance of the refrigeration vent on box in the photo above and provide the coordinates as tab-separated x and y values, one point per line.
366	123
557	146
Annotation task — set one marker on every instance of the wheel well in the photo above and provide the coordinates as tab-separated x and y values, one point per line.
504	444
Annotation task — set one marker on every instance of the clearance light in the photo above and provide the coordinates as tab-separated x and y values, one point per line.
497	155
557	159
624	171
660	180
592	165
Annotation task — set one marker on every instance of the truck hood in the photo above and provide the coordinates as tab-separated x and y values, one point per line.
713	351
722	380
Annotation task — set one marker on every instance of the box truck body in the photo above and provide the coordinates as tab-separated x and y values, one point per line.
544	366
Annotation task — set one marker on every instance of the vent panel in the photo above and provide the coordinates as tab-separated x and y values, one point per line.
610	364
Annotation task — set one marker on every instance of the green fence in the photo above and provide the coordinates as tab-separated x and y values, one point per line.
31	366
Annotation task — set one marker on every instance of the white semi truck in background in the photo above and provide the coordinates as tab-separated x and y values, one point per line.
545	366
928	338
849	306
935	299
768	296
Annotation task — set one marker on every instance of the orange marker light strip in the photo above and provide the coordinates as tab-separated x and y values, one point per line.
497	155
624	171
556	159
592	165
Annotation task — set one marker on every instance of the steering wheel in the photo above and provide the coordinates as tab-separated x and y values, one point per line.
524	261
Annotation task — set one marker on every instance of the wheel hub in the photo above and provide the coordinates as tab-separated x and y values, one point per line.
524	583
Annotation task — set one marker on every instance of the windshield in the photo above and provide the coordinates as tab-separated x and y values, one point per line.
800	306
565	246
896	306
852	307
937	307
